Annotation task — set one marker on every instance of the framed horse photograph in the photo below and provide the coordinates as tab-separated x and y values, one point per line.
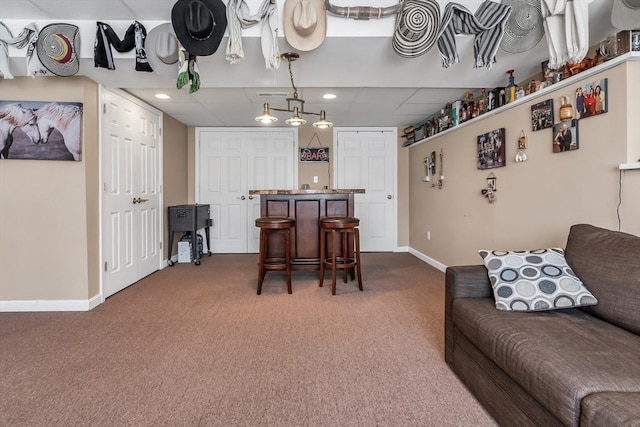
40	130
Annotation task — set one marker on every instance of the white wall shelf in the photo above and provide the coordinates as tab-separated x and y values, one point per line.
629	166
629	56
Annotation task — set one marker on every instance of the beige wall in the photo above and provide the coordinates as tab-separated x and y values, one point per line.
538	200
175	171
323	170
48	222
49	215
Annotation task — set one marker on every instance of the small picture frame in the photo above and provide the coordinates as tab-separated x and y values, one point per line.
591	99
492	182
491	149
542	115
565	136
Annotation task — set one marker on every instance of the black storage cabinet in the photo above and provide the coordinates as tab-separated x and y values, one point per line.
189	218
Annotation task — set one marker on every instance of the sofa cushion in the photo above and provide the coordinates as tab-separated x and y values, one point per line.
534	280
611	409
558	356
608	262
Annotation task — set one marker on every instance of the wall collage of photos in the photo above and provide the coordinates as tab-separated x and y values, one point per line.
588	100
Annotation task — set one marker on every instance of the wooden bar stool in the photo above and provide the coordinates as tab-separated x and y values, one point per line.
269	226
345	228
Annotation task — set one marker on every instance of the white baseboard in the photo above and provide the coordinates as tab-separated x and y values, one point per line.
432	262
402	249
50	305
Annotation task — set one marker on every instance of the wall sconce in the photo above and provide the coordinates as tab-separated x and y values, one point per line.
492	187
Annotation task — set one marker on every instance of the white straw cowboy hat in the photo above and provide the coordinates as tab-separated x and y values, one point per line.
162	48
305	23
57	49
625	14
524	27
417	26
199	25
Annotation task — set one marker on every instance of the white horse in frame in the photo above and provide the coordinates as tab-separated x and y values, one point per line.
13	116
67	119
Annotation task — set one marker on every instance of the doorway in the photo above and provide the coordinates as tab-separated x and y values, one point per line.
230	162
131	202
367	158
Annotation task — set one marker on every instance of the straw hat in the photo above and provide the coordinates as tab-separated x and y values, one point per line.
162	48
417	27
523	29
625	14
199	25
305	23
57	49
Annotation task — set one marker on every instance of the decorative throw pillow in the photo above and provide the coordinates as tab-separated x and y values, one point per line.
534	280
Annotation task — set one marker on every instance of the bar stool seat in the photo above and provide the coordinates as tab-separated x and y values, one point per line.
348	258
269	226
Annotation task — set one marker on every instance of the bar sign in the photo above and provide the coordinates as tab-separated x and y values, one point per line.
314	154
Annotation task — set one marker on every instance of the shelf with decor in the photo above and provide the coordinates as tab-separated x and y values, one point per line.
629	56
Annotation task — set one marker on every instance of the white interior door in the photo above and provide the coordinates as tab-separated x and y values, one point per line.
367	159
230	163
131	157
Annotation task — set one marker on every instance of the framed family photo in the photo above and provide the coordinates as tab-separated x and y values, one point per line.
591	99
542	115
565	136
491	149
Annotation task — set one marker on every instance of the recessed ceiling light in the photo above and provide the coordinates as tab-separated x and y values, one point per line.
329	96
162	96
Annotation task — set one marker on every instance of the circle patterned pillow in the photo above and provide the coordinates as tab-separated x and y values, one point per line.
535	280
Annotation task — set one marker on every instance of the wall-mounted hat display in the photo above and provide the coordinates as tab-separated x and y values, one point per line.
524	28
625	14
417	27
305	23
162	50
57	49
199	24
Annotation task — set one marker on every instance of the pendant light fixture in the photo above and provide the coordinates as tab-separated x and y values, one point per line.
297	110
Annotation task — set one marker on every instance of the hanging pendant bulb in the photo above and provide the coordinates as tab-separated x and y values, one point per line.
266	116
295	119
323	123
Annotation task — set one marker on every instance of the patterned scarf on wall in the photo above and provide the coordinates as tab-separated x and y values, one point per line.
239	18
27	38
487	25
106	37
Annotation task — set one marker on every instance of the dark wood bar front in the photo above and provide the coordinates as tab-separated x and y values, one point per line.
306	207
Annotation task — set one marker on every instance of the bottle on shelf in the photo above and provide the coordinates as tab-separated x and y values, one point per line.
511	89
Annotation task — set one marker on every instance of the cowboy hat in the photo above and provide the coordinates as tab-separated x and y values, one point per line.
199	24
625	14
417	27
57	49
524	28
162	50
305	23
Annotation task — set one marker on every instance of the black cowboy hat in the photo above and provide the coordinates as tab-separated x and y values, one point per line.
199	24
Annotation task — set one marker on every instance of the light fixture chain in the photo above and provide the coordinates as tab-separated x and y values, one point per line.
295	89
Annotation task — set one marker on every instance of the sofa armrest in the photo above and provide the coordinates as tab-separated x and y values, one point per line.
464	281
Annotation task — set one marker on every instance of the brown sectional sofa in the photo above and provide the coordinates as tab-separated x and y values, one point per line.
573	367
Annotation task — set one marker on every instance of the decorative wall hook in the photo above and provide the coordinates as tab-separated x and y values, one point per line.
521	155
492	187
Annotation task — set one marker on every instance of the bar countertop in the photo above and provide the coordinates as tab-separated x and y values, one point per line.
296	191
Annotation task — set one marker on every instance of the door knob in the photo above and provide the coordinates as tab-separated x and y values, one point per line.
250	197
241	197
389	196
139	200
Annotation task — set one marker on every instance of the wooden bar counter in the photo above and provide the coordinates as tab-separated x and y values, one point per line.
306	207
